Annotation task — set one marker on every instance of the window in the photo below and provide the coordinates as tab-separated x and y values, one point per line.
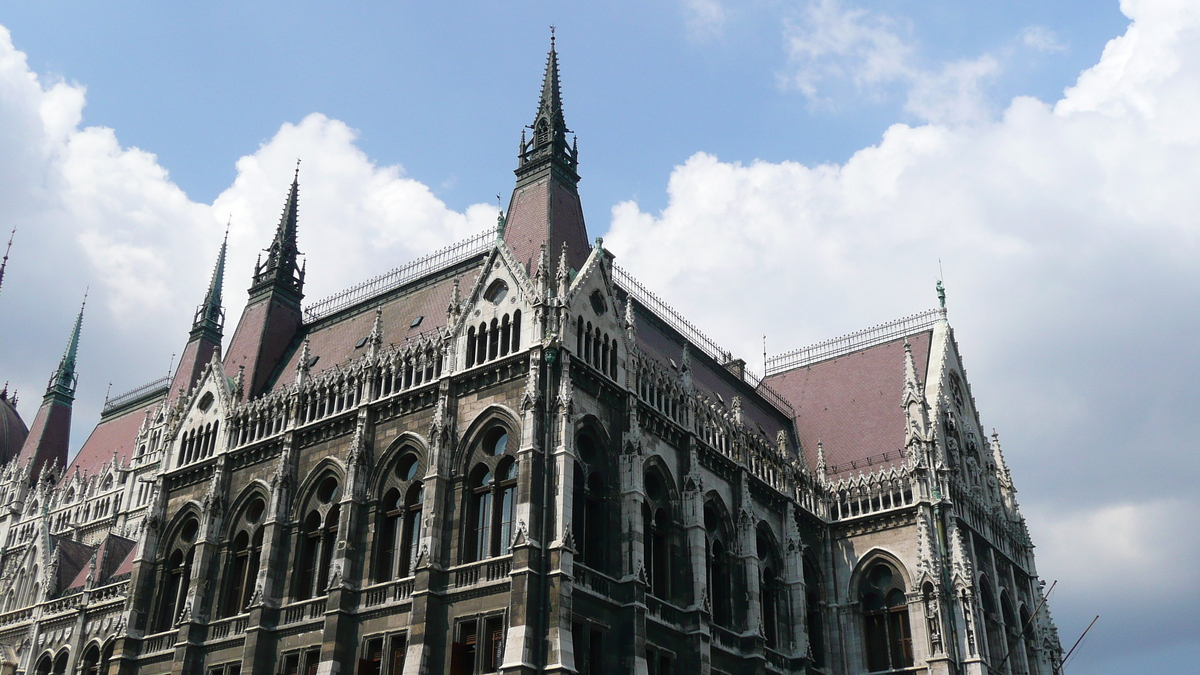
490	340
175	577
492	505
719	570
589	649
234	668
887	638
658	662
318	537
658	531
245	555
771	595
496	291
371	661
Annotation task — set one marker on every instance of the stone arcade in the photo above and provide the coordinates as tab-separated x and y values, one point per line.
511	457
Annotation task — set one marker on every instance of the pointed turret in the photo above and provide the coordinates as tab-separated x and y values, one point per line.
50	436
915	410
204	341
545	207
272	315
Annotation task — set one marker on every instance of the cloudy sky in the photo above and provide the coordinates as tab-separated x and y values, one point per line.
811	161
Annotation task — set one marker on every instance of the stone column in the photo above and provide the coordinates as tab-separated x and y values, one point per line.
258	654
793	579
431	562
193	625
339	643
697	546
633	548
560	657
525	609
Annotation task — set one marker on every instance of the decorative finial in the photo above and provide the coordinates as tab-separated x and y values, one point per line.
296	176
941	293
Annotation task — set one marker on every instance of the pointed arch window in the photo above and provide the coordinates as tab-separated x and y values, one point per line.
245	559
175	577
772	594
318	538
887	637
718	568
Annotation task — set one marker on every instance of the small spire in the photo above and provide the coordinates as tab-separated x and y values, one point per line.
376	337
564	270
209	315
822	471
542	274
4	262
62	383
455	305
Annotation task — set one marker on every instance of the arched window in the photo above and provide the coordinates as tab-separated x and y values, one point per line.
471	346
991	619
91	661
44	665
245	558
318	538
60	663
493	501
410	538
175	577
656	515
516	331
886	634
719	569
771	592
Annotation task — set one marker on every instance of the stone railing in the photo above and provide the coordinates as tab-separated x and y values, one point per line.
63	604
17	616
109	592
482	572
308	610
223	628
388	592
663	611
159	642
594	581
870	494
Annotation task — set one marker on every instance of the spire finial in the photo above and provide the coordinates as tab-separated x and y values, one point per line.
4	262
210	316
62	383
280	268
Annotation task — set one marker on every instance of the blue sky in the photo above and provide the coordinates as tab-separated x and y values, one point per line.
441	88
810	164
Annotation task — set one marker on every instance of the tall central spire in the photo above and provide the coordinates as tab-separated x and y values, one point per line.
281	269
545	209
549	142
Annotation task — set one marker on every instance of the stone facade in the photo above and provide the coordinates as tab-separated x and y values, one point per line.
511	457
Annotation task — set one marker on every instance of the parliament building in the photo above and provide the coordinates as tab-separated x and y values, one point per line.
511	457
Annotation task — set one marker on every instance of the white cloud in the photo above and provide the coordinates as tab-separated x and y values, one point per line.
1041	39
705	19
827	42
90	211
1069	238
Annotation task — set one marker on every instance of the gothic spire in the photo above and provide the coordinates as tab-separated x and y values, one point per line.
4	263
281	268
549	125
210	316
62	382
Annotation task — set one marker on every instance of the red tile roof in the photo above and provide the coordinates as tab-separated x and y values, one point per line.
546	211
113	552
12	430
49	436
112	435
851	404
665	346
335	343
